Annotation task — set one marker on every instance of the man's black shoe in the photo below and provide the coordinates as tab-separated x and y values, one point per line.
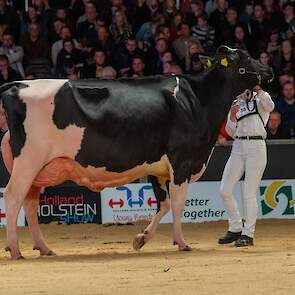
229	237
244	241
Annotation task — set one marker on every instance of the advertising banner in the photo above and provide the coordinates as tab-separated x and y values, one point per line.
276	199
69	204
21	216
137	202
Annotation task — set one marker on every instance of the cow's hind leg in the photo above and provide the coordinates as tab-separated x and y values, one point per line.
163	206
25	169
31	204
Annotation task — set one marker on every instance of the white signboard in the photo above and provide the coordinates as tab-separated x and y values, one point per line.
21	216
134	202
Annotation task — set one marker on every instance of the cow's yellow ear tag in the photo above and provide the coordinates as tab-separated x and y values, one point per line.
224	62
209	63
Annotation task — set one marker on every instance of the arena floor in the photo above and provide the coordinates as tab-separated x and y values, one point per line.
93	259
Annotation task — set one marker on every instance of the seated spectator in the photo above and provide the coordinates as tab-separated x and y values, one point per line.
69	52
227	33
177	19
108	73
137	67
65	33
259	31
284	60
7	74
71	72
9	17
288	27
217	19
120	29
155	54
169	10
139	15
285	77
286	107
247	14
87	28
274	129
172	68
54	30
14	53
94	70
148	30
204	33
181	44
104	41
193	48
30	17
273	45
196	65
196	10
240	38
123	59
34	45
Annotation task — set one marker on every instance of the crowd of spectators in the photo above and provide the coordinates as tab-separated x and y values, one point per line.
133	38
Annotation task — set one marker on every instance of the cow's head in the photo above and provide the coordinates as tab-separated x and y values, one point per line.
240	66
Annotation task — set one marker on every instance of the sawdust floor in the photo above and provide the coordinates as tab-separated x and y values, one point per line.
93	259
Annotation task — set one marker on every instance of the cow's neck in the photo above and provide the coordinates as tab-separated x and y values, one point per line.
215	89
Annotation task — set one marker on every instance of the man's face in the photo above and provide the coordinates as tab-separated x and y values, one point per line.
90	11
65	33
131	45
161	46
283	79
184	31
274	121
68	46
258	11
288	91
7	41
34	30
231	16
137	65
99	57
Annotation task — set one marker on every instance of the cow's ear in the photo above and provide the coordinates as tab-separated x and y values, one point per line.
207	61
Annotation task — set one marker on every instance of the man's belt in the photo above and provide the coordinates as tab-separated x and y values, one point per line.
257	137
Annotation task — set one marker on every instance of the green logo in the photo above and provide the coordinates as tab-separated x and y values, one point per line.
270	197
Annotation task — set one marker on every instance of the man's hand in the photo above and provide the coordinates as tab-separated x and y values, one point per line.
257	88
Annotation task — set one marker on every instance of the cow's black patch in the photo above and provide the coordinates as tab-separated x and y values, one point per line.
15	110
129	122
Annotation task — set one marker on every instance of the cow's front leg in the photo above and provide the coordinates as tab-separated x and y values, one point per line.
178	196
31	204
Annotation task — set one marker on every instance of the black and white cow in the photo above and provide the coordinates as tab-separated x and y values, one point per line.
102	133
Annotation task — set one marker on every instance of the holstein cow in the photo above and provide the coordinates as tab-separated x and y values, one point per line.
102	133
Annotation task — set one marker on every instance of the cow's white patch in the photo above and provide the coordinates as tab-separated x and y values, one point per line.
176	88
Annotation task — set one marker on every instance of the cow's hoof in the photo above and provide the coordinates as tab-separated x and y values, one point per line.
138	242
17	256
186	248
44	253
49	253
